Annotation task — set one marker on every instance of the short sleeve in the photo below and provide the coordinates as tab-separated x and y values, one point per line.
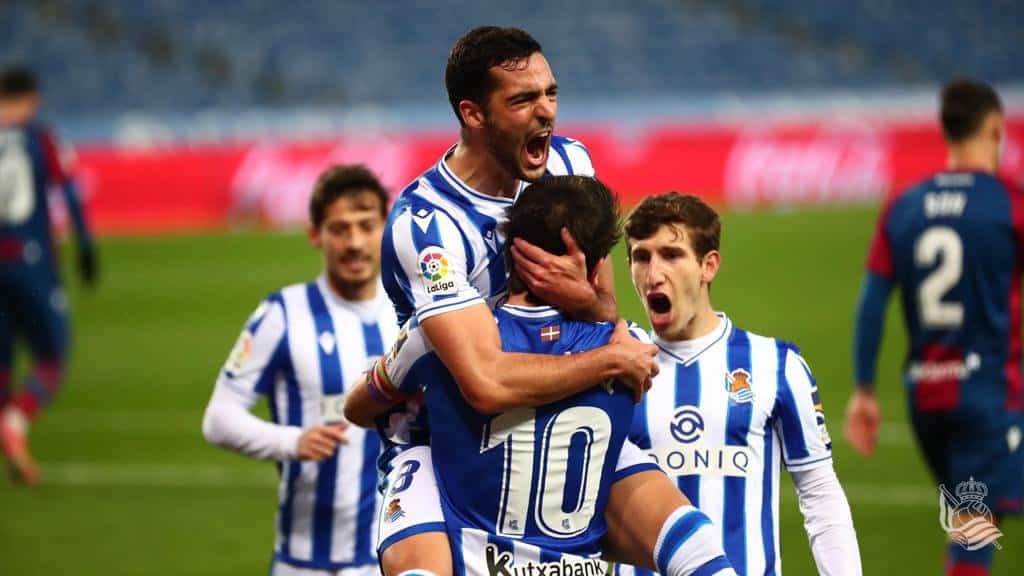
799	417
410	347
433	258
259	353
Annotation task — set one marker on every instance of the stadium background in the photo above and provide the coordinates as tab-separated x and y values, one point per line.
199	130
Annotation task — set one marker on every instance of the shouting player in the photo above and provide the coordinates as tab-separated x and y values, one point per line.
443	260
524	490
728	407
32	302
301	349
953	244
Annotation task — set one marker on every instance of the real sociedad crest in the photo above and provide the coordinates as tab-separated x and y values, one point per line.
966	518
737	383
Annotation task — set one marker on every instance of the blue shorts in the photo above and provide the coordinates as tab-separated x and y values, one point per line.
989	447
33	306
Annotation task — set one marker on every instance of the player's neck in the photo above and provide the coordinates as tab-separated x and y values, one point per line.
475	166
970	156
352	292
521	299
702	324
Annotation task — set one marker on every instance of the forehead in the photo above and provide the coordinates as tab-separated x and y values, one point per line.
532	73
354	205
667	235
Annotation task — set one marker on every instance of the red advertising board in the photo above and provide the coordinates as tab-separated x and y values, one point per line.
209	186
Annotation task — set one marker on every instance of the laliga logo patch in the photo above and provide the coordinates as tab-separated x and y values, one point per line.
434	267
687	424
737	383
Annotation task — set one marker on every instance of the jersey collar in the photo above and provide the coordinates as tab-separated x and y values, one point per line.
366	310
687	351
470	194
531	311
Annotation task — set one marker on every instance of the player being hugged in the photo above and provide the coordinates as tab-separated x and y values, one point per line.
524	490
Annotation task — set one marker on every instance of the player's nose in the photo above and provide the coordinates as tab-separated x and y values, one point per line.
546	110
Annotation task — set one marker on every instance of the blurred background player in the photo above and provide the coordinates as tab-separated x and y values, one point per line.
33	305
301	349
729	407
953	244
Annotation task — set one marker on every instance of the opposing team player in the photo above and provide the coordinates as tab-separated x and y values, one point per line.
443	260
729	407
33	305
524	490
301	350
953	245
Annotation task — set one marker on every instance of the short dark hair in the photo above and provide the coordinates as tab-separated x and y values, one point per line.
468	74
701	221
583	205
17	81
965	103
338	181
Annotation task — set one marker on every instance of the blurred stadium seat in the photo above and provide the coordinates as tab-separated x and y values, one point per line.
177	55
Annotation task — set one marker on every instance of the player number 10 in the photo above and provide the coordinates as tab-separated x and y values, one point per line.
516	431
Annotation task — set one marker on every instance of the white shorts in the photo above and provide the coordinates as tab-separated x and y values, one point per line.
278	568
411	503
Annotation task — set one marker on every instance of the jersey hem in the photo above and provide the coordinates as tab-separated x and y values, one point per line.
409	532
801	466
431	311
314	565
635	469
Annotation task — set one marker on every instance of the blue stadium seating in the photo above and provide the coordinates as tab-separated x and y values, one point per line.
181	55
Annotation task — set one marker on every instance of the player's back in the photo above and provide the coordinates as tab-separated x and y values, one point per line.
529	485
29	165
953	245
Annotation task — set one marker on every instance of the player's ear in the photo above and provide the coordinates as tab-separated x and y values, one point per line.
593	276
313	232
709	266
472	114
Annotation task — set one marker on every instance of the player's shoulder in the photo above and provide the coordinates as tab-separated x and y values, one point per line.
570	157
761	345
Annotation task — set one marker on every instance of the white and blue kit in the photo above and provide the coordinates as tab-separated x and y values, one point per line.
443	250
524	487
725	412
300	350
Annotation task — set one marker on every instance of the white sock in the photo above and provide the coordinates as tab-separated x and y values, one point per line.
690	544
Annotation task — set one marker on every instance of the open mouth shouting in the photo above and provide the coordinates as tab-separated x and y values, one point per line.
659	309
535	153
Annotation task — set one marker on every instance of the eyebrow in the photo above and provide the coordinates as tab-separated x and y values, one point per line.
527	95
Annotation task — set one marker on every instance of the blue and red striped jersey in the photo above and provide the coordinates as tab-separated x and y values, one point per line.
953	243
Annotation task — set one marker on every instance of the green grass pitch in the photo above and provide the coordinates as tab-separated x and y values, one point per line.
131	488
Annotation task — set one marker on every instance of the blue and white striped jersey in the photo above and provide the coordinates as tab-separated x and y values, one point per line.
443	249
301	349
525	489
725	412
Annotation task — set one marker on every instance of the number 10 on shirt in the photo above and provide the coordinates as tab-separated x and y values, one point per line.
544	490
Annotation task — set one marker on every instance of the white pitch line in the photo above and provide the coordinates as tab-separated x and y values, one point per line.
113	474
156	475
